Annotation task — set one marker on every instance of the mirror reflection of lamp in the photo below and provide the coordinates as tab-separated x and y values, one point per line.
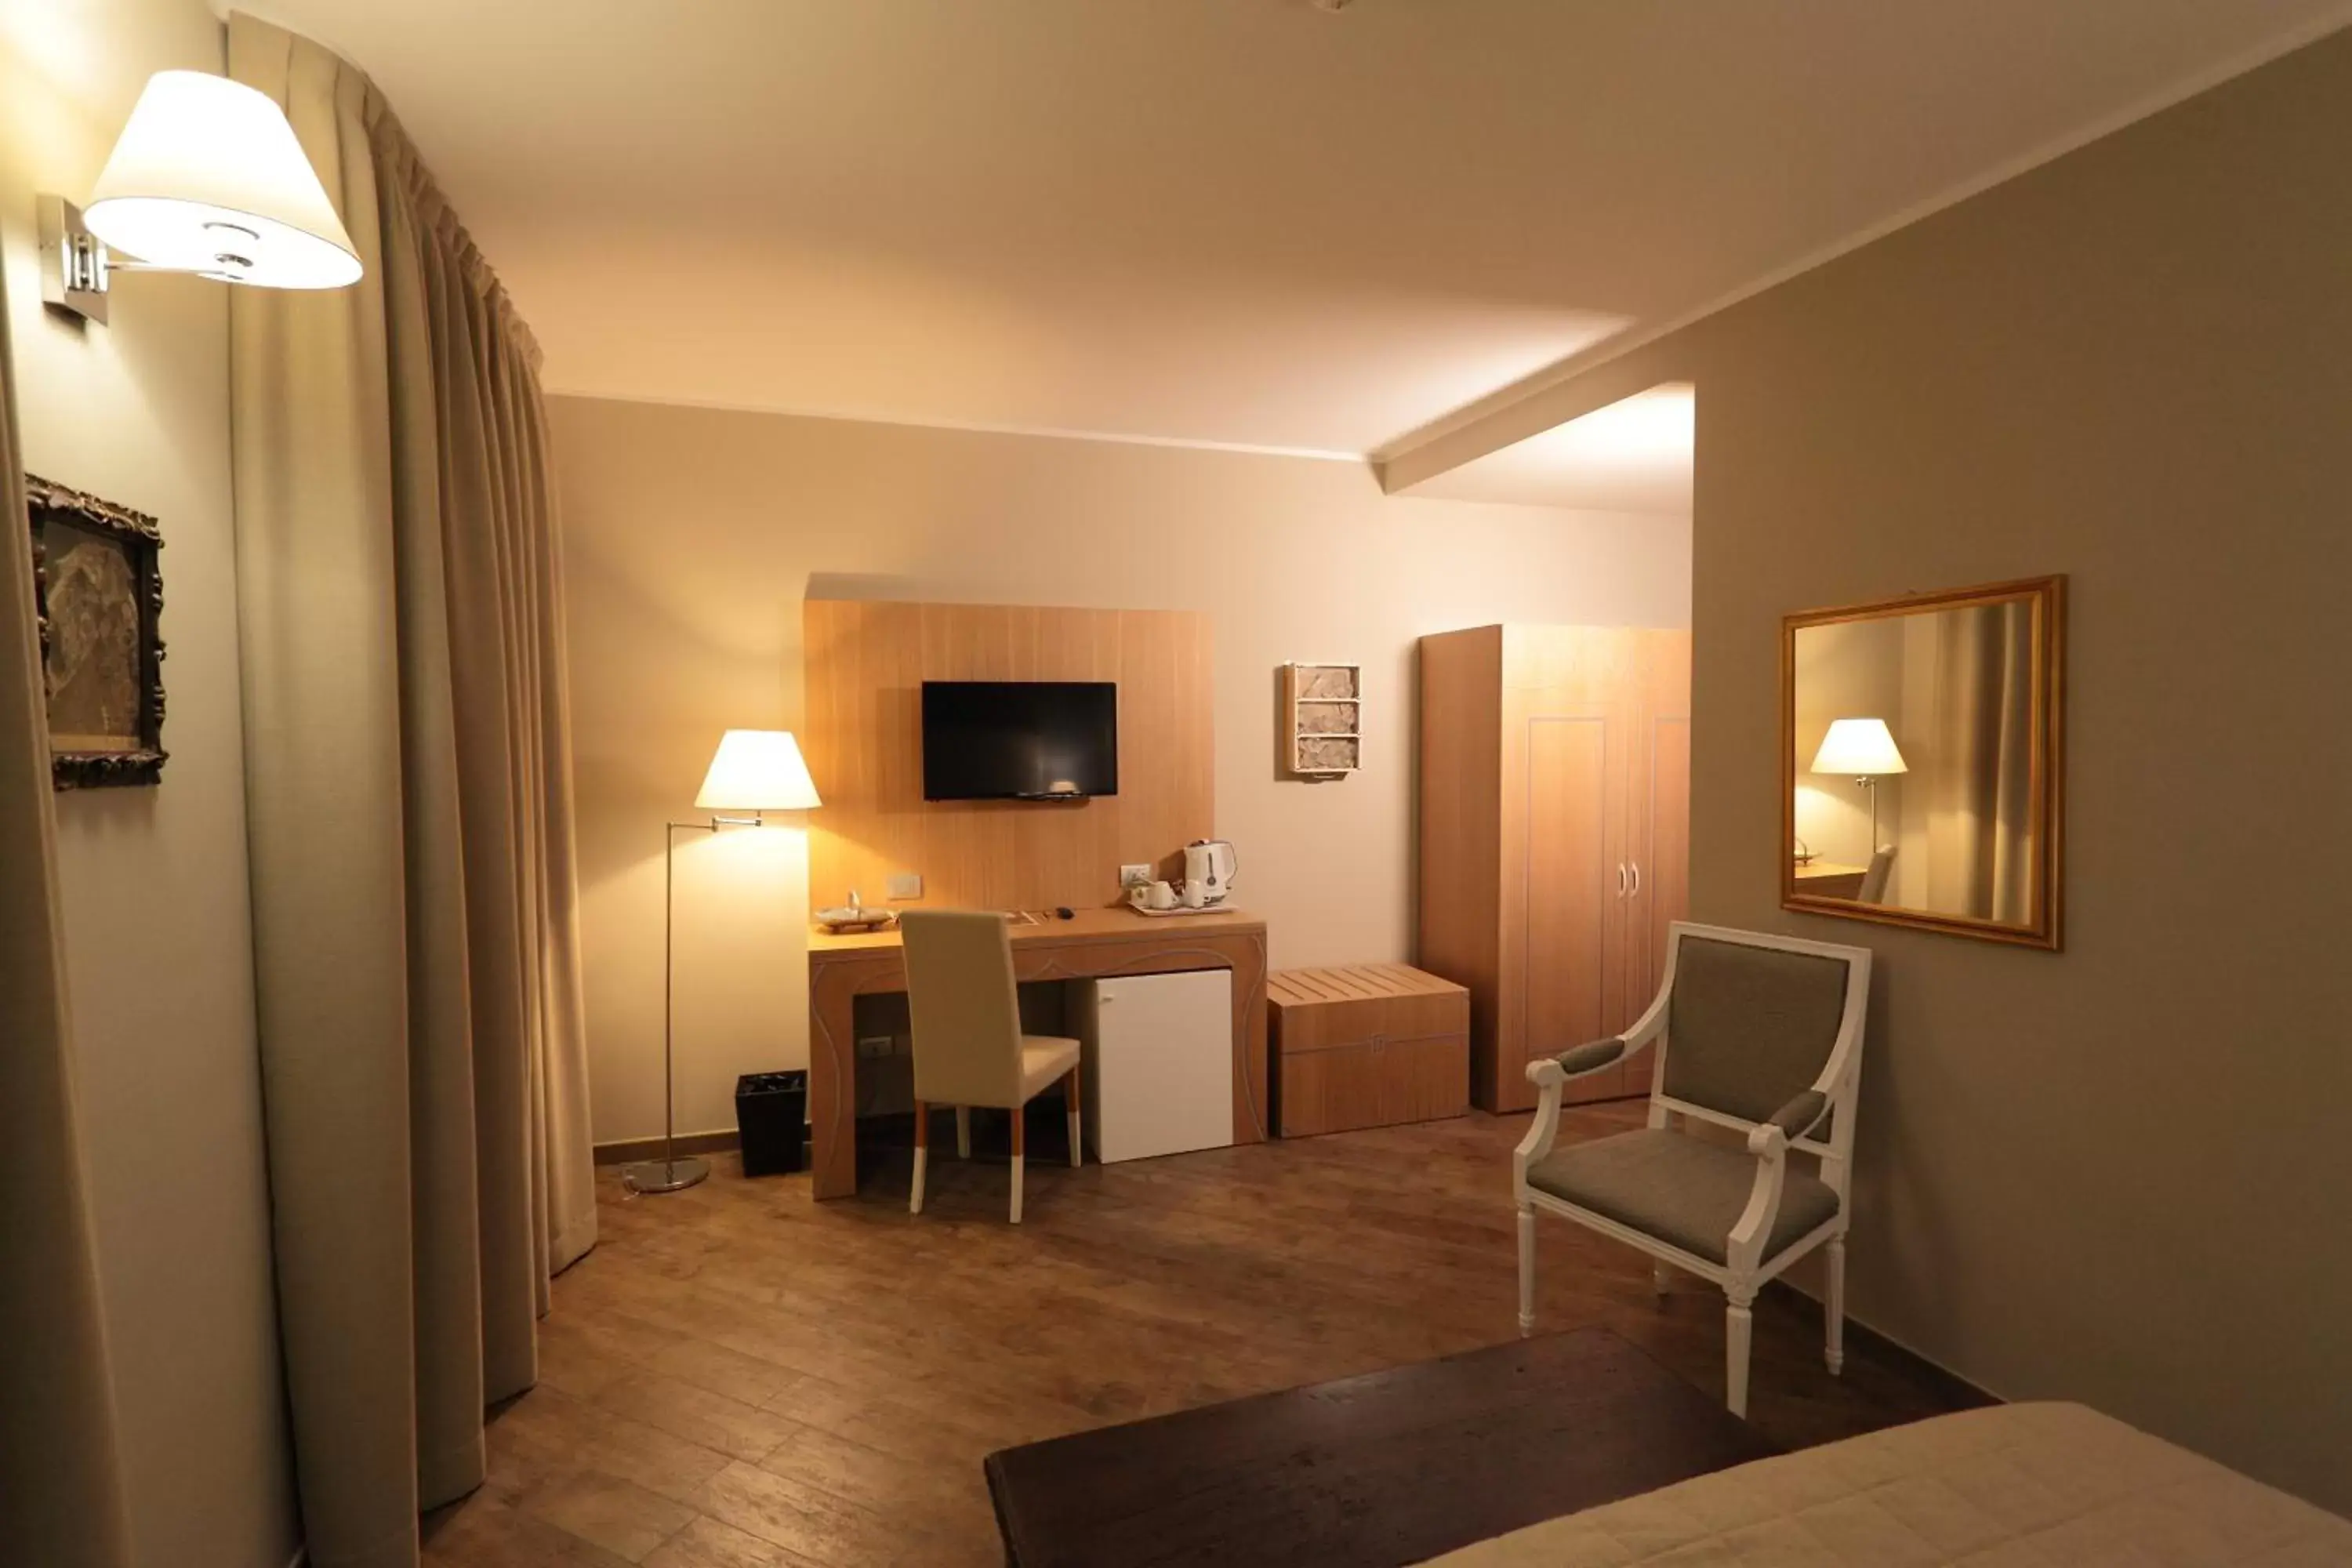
1864	750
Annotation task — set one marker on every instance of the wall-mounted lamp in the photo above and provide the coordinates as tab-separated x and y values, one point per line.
206	178
754	771
1865	749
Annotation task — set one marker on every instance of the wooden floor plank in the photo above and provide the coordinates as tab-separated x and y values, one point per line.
738	1377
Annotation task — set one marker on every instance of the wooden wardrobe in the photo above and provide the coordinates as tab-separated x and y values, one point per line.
1555	838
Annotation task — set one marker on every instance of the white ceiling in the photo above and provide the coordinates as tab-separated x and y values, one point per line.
1634	454
1249	222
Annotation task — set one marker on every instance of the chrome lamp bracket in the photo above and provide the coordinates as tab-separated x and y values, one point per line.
75	269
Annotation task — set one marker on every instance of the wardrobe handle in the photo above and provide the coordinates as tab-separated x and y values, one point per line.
1637	879
1621	879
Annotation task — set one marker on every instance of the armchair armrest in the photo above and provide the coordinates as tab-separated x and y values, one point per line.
1578	1060
1793	1121
1575	1062
1547	1075
1770	1144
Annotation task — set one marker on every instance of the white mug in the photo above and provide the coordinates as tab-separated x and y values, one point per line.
1152	895
1196	892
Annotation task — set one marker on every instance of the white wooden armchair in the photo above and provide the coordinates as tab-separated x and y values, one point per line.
1759	1034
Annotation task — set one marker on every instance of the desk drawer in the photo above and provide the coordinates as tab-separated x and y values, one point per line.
1367	1046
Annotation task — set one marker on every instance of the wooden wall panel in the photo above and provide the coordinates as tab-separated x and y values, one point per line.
865	663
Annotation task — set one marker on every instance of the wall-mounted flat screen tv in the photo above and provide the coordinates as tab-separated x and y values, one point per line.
1020	740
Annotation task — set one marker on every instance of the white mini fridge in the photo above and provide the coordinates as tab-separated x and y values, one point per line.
1158	1065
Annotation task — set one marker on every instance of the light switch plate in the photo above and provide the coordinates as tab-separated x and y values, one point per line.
1134	876
906	885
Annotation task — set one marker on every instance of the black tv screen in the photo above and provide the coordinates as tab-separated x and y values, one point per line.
1019	740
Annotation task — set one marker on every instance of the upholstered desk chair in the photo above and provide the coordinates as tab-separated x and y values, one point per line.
1873	880
969	1047
1760	1035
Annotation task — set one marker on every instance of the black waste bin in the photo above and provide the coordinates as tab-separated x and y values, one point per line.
771	1118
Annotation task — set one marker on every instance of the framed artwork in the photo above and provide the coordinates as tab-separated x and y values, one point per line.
98	597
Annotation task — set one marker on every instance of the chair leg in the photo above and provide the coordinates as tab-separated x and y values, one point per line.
1834	1307
1070	1099
1739	1325
1527	1270
1019	1154
922	1155
963	1132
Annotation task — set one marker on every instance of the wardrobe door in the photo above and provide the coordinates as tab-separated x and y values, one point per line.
1572	913
1462	896
1658	809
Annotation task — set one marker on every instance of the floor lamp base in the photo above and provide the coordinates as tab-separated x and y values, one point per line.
664	1176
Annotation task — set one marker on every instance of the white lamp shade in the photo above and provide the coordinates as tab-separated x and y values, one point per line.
758	770
208	178
1859	748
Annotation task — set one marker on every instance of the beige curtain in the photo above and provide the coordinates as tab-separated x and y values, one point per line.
1980	784
408	782
61	1490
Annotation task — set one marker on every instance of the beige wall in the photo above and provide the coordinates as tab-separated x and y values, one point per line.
2117	1174
692	536
154	885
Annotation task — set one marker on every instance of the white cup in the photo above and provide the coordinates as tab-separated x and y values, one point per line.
1196	893
1152	895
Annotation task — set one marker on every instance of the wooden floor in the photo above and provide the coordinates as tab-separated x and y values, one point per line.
738	1377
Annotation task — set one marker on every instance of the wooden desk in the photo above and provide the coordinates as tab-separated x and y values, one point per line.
1096	943
1828	879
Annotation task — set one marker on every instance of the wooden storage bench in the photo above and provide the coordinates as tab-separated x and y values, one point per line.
1367	1044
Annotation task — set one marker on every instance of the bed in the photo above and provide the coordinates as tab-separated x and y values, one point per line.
2015	1485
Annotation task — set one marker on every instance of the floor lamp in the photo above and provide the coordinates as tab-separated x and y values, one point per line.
754	773
1865	749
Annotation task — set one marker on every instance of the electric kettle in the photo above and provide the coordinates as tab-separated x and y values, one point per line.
1209	866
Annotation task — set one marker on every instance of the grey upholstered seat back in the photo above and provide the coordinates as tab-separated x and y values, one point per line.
964	1008
1748	1027
1873	880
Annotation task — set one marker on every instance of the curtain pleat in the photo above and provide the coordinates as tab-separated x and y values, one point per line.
1981	806
413	879
61	1480
319	637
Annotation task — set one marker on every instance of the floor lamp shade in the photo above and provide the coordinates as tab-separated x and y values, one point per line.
1860	748
757	769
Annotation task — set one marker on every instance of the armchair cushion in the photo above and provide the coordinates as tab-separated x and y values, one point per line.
1685	1191
1748	1026
1586	1059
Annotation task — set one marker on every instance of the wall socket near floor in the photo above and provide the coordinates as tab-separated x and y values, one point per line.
869	1046
1135	876
904	885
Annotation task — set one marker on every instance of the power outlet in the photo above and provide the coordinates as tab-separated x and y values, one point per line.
871	1047
1134	876
905	885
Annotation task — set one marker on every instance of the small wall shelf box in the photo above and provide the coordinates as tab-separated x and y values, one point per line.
1322	720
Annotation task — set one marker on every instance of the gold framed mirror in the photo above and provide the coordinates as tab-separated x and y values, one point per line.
1921	761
